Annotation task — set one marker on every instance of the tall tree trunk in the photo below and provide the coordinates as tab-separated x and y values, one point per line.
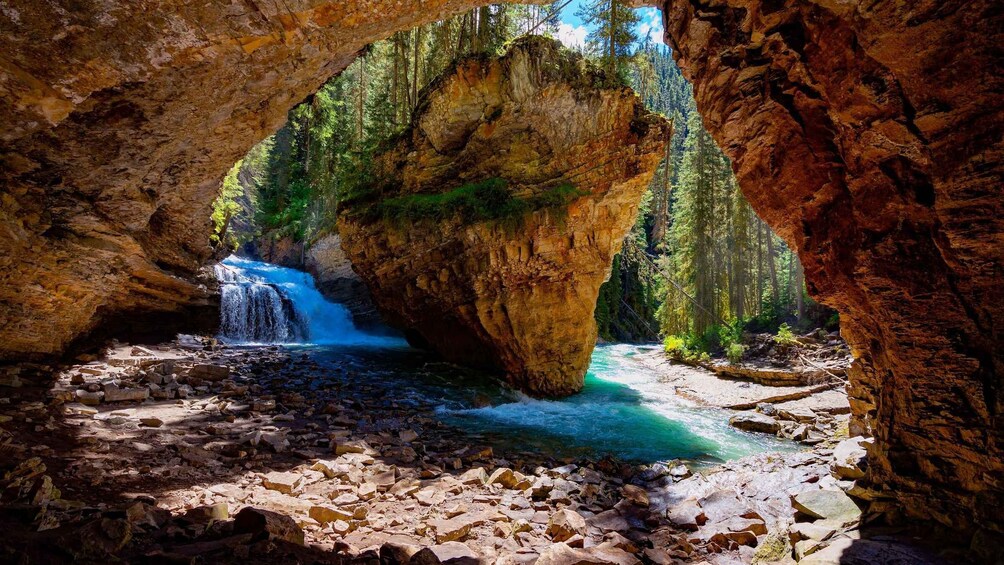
662	197
484	28
418	55
395	78
612	54
759	266
462	34
772	266
789	287
361	101
799	287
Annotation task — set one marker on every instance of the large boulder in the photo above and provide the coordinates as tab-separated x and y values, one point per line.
755	422
564	524
449	553
832	506
493	222
850	458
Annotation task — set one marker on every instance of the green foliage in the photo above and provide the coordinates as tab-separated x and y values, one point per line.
730	333
734	353
487	200
226	208
674	344
785	337
687	347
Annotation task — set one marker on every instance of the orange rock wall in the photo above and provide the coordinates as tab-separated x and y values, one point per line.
869	135
519	299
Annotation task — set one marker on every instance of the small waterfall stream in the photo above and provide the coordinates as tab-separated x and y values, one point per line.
263	303
624	409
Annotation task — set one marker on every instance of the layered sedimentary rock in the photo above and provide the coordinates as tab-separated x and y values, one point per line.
117	122
515	293
869	135
333	274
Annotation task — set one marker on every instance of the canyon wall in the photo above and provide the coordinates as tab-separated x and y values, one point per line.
333	274
117	122
514	291
869	135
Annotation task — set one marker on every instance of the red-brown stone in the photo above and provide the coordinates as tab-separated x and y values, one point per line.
869	135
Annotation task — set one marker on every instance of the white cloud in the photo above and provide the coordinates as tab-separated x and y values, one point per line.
651	24
571	36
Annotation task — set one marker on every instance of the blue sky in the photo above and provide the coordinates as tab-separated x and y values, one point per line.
572	32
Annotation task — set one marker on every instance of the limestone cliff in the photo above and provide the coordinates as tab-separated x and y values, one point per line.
869	135
117	122
516	290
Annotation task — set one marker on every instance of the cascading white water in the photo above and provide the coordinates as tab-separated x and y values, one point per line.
624	409
264	303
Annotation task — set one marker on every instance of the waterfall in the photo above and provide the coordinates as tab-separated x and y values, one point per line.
264	303
254	309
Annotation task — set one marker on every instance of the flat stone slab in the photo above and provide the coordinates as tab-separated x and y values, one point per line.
831	505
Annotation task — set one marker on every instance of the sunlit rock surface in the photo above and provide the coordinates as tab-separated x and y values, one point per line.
118	120
518	294
868	134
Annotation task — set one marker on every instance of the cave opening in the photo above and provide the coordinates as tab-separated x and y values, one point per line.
876	172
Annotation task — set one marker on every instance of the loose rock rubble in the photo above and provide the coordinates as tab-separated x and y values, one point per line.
256	455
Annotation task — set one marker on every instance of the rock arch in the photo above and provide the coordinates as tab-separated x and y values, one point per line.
868	134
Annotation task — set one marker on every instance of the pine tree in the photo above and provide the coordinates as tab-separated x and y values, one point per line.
613	32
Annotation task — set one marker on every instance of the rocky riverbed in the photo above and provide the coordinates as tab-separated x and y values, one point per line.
193	451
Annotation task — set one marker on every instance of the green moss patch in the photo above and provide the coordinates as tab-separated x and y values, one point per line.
483	201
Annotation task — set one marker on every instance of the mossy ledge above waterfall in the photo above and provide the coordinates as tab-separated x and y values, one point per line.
491	200
486	230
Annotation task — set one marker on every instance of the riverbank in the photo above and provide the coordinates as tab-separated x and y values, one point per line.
267	454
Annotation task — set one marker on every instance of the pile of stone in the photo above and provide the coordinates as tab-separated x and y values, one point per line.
790	420
256	463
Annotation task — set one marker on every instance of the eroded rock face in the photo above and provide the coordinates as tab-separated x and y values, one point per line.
515	294
333	274
869	135
117	122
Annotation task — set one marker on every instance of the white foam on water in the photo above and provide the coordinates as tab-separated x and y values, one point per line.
263	303
625	411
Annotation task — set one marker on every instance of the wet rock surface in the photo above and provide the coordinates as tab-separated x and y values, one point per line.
513	294
283	460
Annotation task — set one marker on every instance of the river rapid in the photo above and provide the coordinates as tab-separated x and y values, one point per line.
623	410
